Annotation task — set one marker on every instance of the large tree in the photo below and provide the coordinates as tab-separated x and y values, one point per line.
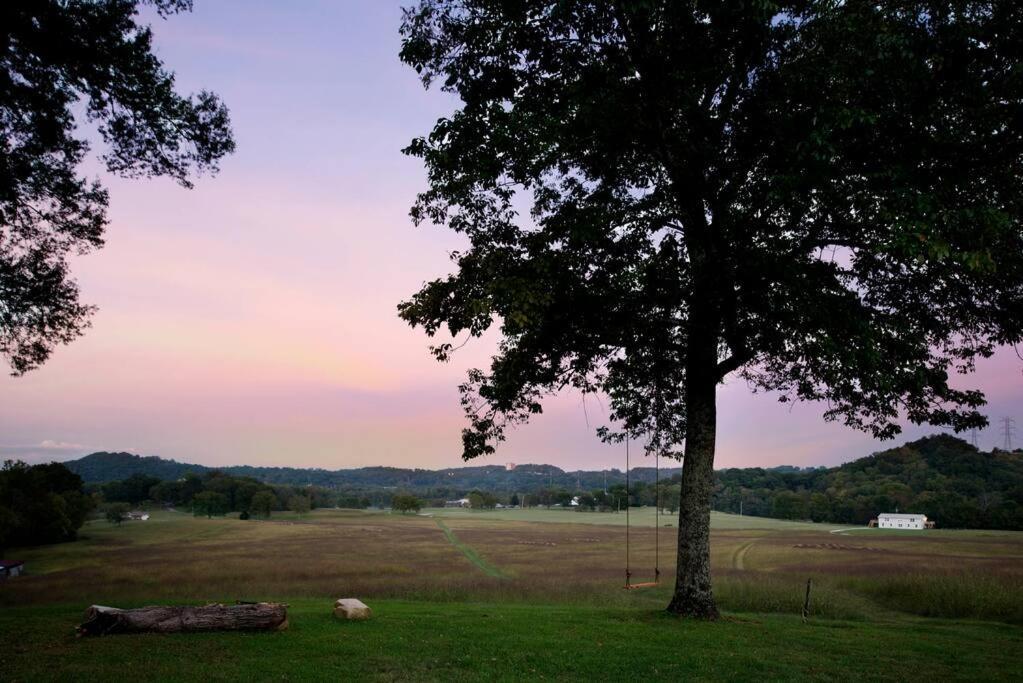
40	504
822	197
70	70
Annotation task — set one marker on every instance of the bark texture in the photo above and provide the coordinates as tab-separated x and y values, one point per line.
693	596
262	616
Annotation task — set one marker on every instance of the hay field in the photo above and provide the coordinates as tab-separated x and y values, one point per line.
484	557
638	517
470	597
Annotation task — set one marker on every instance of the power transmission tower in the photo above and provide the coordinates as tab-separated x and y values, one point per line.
1008	430
973	437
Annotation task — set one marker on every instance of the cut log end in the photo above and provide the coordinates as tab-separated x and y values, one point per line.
262	616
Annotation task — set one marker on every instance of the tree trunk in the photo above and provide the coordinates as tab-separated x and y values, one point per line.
263	616
693	596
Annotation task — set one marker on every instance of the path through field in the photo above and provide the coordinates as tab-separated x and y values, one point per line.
739	556
469	553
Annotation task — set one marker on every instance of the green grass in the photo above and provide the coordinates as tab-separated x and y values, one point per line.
468	595
469	553
502	642
640	517
954	596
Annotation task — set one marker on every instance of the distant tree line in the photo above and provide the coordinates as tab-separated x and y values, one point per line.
216	493
40	504
106	467
941	476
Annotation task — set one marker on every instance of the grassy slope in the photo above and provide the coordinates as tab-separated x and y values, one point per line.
639	517
452	641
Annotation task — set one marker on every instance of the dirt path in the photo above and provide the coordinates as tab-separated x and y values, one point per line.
470	554
739	556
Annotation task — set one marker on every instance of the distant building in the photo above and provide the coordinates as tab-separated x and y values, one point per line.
460	503
897	520
509	466
10	568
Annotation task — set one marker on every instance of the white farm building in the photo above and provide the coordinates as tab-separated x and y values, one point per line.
896	520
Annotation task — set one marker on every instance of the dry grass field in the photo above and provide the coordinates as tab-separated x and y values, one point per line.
638	517
471	596
859	574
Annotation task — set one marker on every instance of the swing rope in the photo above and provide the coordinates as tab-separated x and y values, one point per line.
628	573
657	521
657	516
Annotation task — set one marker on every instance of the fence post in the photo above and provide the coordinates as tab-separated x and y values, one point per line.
806	601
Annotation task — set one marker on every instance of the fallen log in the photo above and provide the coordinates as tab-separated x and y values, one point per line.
260	616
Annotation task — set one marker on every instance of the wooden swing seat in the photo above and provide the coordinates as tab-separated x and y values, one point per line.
646	584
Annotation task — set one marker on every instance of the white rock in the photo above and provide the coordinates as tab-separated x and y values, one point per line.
351	608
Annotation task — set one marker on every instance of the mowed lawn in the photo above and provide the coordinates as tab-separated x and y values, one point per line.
466	596
514	642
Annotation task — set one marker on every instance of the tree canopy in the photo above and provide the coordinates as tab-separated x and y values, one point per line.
940	476
820	196
117	513
210	503
40	504
406	502
71	70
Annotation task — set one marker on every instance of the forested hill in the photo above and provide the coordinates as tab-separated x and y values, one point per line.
940	476
105	467
99	468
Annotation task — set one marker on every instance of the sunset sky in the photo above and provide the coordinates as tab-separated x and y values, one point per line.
252	320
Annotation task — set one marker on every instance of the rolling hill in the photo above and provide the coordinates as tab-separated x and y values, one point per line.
940	476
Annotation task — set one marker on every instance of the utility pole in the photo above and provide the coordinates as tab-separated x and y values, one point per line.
1008	430
740	507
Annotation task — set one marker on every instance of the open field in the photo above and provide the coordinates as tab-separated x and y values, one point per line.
463	594
637	517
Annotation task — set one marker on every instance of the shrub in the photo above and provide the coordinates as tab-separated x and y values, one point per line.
299	504
406	503
117	513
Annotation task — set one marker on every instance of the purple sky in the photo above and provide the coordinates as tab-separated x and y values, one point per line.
252	319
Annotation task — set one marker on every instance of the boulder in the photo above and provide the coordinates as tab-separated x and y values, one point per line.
351	608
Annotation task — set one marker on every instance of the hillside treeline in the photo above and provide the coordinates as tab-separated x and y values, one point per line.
216	493
941	476
40	504
105	467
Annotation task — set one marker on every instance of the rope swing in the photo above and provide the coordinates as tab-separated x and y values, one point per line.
657	522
